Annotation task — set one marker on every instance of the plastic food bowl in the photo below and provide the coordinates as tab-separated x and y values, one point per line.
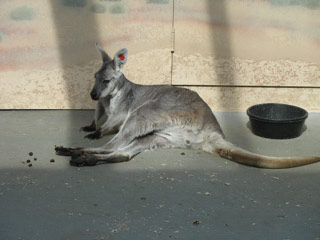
277	121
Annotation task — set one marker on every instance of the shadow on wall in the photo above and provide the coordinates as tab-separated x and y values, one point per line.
76	34
221	37
221	46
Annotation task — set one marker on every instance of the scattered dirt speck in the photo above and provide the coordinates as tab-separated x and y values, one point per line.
35	159
52	160
183	153
30	153
196	223
28	161
30	165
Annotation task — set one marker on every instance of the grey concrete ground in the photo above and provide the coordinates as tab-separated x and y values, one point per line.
166	194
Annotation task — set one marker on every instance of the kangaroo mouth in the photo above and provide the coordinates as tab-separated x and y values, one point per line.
95	98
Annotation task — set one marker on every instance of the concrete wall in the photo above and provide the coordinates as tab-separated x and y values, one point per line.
234	53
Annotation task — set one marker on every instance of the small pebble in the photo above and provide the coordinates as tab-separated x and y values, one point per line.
183	153
52	160
195	223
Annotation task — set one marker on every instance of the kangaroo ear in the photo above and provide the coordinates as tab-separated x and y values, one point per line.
104	55
120	58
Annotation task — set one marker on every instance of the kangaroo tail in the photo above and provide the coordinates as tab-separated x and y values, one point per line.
231	152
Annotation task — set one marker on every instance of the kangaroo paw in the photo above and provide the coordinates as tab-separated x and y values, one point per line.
80	160
62	151
95	135
88	129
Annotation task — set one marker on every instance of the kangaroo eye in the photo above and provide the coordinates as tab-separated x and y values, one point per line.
106	81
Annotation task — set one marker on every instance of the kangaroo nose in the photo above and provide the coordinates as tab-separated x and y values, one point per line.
94	96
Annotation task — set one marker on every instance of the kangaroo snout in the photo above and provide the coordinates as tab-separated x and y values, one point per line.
94	95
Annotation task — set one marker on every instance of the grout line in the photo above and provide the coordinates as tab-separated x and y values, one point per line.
244	86
172	41
173	13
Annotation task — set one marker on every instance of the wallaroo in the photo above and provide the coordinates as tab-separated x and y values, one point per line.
159	116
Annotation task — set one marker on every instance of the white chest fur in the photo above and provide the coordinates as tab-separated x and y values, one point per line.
115	100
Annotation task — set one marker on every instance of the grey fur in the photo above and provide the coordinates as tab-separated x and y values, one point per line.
159	116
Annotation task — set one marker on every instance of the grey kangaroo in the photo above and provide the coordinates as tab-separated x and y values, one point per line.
151	117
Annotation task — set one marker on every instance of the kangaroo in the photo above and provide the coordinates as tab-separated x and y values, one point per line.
148	117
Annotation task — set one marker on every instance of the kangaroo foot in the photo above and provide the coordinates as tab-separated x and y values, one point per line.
63	151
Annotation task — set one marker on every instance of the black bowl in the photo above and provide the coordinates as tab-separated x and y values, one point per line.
277	121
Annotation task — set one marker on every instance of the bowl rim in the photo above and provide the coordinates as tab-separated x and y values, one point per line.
262	119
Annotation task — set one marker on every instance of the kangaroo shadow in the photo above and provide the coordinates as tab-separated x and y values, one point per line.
76	34
221	49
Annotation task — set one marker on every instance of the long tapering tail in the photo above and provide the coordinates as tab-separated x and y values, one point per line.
229	151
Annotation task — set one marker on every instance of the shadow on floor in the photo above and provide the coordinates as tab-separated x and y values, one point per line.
166	194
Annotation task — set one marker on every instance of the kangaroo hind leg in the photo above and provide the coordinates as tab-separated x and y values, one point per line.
132	138
144	121
70	151
122	154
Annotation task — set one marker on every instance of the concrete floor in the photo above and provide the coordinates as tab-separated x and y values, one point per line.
167	194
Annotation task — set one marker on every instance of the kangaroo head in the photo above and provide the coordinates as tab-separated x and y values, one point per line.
109	73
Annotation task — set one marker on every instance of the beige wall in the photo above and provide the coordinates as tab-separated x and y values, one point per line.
48	56
234	53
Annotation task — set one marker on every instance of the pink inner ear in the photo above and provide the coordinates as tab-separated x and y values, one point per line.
122	57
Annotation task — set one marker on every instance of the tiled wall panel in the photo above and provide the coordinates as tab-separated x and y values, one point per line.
247	43
48	55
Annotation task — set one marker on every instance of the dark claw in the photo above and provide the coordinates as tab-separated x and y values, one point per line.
95	135
76	153
88	129
118	159
92	161
83	160
62	151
